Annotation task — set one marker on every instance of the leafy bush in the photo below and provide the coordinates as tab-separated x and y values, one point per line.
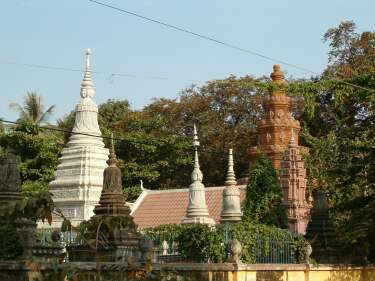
199	242
132	193
263	203
248	233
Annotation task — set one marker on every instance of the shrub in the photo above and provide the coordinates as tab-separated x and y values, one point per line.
263	203
199	242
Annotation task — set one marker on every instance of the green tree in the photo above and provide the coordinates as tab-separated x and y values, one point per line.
226	112
162	161
341	157
32	110
263	195
39	154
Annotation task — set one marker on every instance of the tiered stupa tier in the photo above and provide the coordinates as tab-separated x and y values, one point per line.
293	186
275	128
79	177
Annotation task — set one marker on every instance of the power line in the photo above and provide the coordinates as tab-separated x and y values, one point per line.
110	74
204	150
229	45
204	37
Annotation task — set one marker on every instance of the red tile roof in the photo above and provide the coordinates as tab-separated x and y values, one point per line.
156	207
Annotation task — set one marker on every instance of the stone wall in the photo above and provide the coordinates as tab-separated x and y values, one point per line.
189	272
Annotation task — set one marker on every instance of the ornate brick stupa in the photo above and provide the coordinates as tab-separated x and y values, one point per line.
79	177
293	186
278	139
275	128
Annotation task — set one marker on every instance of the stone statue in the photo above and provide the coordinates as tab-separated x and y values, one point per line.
112	175
165	247
10	180
235	249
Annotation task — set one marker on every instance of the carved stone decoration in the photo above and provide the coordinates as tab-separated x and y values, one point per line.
277	106
235	250
118	239
197	211
112	201
10	181
231	211
293	186
268	137
308	253
79	176
10	196
282	135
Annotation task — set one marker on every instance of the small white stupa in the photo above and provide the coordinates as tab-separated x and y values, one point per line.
79	177
231	211
197	211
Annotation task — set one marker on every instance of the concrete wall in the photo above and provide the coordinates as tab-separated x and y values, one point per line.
270	272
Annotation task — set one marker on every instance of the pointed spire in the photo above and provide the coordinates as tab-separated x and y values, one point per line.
112	161
231	208
197	211
196	175
231	177
112	144
87	87
195	140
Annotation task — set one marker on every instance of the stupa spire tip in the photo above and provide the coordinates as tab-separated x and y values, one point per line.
195	138
231	177
88	53
197	173
277	75
87	87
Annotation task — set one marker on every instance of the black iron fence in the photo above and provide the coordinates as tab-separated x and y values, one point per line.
271	251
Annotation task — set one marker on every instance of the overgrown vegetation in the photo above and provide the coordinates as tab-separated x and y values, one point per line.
203	243
263	202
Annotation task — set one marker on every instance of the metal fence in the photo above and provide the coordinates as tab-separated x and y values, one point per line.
271	251
165	249
264	251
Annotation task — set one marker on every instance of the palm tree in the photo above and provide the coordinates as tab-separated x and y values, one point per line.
32	109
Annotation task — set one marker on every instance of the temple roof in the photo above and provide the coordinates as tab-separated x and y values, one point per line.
157	207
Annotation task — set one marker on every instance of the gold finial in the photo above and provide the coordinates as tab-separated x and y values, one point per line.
277	75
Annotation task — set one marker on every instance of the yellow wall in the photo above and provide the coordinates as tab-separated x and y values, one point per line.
313	274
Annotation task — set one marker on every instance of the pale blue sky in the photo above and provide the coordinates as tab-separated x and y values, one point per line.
56	33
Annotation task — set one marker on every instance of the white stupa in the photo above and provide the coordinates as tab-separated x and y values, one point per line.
197	210
79	177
